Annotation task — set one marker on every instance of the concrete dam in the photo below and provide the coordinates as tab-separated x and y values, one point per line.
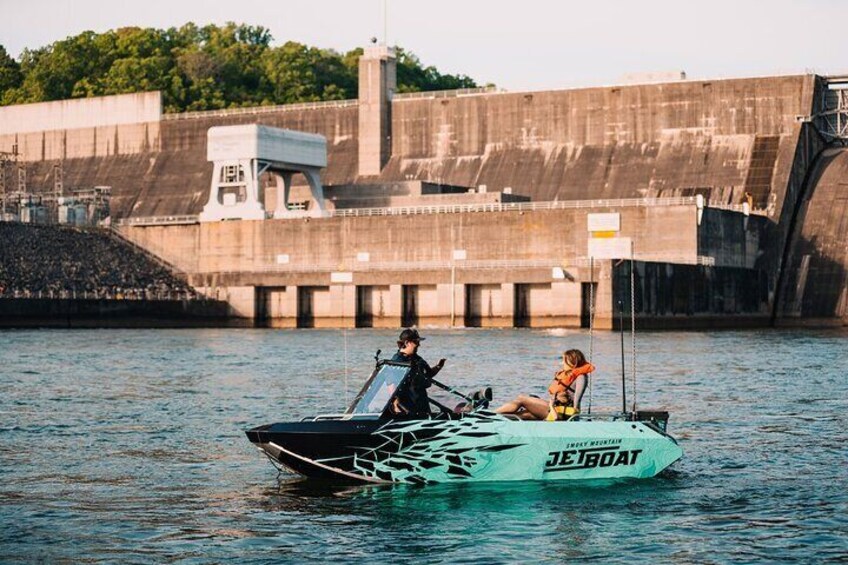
486	208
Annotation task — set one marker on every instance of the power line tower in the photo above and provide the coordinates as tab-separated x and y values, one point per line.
22	180
58	189
58	180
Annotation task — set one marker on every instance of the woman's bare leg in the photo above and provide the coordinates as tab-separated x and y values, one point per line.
531	406
536	406
510	407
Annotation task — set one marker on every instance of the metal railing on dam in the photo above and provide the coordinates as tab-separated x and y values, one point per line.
530	206
456	93
473	208
254	110
157	220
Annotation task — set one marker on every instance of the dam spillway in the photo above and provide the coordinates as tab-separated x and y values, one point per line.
730	142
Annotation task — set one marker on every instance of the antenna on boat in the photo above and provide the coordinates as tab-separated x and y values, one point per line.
623	374
591	322
633	321
344	334
347	403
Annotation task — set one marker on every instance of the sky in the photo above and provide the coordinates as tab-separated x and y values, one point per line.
517	45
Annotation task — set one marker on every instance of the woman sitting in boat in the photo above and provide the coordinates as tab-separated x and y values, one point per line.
566	391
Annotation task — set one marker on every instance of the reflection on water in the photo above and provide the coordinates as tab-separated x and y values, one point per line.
129	446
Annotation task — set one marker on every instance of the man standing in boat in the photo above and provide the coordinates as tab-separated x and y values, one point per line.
412	401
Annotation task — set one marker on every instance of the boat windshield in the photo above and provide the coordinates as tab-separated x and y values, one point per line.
379	390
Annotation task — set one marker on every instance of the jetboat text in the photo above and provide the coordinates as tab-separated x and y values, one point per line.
589	458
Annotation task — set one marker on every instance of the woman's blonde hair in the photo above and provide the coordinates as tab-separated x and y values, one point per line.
573	358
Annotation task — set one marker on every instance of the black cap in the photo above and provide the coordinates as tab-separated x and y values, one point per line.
409	334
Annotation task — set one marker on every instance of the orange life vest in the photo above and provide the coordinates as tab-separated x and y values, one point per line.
565	377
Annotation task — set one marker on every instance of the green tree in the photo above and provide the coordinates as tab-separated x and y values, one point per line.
10	72
412	76
290	74
198	68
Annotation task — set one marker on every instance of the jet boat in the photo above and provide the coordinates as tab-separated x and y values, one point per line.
369	444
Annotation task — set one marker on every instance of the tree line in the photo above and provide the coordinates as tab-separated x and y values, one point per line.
198	68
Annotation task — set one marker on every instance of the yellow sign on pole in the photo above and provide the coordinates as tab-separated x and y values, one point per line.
604	234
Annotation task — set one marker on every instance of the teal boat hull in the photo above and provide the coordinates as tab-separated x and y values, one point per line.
481	446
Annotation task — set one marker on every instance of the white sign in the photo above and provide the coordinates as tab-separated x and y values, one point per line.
282	258
341	277
459	255
610	248
557	273
604	222
363	257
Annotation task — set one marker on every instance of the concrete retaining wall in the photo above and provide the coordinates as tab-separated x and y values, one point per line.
281	271
248	250
82	313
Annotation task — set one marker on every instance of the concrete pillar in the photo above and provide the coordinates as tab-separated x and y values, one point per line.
288	303
341	310
280	306
385	306
242	301
393	305
435	308
459	291
377	83
604	308
507	306
348	306
565	307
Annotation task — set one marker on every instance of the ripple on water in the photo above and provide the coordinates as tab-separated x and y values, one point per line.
128	447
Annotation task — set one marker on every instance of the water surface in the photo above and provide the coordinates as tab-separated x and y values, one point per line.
127	446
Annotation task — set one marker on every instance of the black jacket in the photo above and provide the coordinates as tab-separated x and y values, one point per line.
413	396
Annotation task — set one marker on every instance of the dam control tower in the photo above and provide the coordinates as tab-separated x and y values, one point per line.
377	85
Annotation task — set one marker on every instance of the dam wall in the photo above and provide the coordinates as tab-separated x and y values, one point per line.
720	138
730	141
106	130
815	285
